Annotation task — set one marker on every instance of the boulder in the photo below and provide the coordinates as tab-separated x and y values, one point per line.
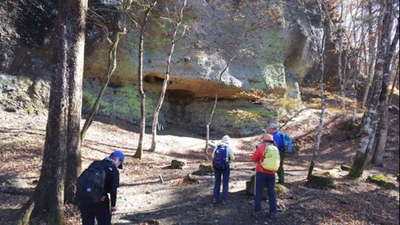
279	188
321	181
177	164
204	169
381	180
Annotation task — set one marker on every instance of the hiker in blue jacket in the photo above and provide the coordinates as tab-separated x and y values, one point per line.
222	156
99	206
272	129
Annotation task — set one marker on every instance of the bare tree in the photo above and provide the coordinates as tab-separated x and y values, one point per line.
210	117
371	119
340	57
112	65
320	129
382	132
166	78
142	24
372	41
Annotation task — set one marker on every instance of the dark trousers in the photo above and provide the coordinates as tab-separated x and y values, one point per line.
225	184
262	180
281	171
101	212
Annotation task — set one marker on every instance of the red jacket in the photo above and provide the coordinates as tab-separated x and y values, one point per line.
258	157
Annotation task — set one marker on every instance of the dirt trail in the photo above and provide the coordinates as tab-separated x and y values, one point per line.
143	199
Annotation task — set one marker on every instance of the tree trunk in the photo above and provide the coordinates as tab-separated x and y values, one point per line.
112	65
372	56
49	193
340	58
76	46
320	130
165	83
383	104
214	107
371	119
139	151
209	123
362	152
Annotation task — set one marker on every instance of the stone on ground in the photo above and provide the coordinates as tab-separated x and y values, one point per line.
204	169
279	188
381	180
177	164
321	181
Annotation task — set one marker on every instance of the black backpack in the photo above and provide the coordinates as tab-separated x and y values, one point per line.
90	185
220	154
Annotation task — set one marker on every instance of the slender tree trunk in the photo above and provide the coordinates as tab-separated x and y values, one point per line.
139	151
214	107
372	55
371	118
340	58
166	80
112	65
76	43
320	130
383	104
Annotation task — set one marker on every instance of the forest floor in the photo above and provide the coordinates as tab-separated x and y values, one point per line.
144	199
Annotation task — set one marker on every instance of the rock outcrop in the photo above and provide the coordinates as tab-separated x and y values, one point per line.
271	41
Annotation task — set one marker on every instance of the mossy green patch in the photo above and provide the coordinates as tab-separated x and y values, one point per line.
123	103
321	181
381	180
204	169
271	62
281	189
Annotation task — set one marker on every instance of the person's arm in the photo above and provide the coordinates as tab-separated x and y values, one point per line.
113	187
257	154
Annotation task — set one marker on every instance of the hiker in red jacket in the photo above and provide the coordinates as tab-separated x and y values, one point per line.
264	178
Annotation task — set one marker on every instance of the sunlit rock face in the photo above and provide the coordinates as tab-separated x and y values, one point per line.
269	45
267	39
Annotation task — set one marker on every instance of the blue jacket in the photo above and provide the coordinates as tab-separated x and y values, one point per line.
278	139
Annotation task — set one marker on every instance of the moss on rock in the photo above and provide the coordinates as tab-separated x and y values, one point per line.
204	169
121	103
321	181
381	180
279	188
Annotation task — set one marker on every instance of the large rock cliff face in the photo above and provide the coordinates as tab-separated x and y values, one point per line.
270	40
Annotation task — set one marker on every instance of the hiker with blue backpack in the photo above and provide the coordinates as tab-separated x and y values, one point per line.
97	189
267	158
222	156
285	145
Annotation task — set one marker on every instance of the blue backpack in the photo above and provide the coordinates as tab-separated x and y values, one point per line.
220	155
287	142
